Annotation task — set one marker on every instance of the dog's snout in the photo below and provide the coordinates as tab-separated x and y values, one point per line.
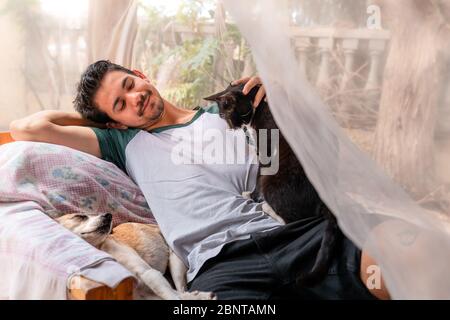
107	216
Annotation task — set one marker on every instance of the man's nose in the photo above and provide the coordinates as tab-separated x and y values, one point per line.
134	99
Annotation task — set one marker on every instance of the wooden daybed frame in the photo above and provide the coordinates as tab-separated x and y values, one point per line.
82	288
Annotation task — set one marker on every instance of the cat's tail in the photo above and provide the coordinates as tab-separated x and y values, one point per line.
330	240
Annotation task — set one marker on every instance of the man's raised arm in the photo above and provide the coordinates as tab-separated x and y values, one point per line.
58	127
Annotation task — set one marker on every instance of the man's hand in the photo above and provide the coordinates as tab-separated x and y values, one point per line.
250	83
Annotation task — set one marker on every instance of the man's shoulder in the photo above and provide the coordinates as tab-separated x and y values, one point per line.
113	143
117	133
119	137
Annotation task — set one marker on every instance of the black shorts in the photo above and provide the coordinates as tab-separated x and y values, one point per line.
265	266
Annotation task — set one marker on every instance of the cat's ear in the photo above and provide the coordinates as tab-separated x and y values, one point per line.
216	97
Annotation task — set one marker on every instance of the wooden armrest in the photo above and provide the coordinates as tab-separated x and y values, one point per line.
81	288
5	137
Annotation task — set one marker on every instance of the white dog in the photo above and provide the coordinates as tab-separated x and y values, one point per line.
138	247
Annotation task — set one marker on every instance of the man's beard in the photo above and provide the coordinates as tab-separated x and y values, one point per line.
159	107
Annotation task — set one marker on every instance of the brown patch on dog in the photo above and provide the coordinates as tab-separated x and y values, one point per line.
146	240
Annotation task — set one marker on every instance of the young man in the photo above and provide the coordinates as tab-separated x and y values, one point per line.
227	242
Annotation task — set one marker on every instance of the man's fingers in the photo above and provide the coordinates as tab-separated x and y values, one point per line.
259	96
250	84
240	81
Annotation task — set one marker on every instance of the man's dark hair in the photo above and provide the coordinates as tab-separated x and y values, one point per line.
88	87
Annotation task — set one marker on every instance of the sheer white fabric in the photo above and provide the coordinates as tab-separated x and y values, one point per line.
411	244
112	30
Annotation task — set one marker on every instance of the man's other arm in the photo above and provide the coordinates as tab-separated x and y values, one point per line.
58	127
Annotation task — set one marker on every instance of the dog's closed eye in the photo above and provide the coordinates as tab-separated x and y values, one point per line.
80	217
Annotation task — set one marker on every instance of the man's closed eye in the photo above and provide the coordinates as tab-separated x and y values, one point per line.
122	106
130	87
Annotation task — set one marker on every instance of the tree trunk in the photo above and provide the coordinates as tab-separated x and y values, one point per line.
411	88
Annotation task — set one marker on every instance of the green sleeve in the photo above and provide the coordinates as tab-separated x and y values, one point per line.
113	143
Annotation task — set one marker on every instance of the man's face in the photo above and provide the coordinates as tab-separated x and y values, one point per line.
129	99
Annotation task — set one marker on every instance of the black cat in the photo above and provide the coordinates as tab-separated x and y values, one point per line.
288	192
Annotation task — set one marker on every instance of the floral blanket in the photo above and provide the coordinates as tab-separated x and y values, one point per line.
62	180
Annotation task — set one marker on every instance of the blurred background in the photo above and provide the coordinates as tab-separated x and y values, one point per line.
189	48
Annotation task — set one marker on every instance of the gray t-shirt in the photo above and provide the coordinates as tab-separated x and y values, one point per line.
192	176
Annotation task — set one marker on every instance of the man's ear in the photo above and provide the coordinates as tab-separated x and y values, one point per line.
140	74
116	125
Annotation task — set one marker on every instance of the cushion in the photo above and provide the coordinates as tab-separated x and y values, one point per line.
63	180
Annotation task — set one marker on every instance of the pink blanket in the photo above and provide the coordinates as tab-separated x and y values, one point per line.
62	180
